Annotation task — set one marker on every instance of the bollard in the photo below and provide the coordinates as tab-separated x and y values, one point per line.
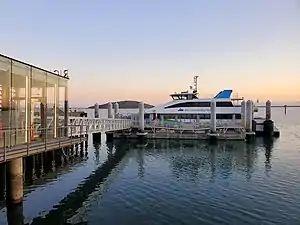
268	110
116	109
249	113
250	135
109	108
243	113
141	116
213	116
212	136
268	125
96	112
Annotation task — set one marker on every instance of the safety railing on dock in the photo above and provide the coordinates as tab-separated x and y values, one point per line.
192	126
86	125
19	142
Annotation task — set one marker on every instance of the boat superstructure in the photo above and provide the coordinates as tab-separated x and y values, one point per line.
186	106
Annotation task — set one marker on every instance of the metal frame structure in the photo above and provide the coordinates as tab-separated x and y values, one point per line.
83	125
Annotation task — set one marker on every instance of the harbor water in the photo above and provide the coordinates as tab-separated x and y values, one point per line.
172	182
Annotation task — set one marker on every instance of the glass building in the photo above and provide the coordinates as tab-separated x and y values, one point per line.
33	103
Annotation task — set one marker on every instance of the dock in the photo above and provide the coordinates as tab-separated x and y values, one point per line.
35	120
33	123
244	129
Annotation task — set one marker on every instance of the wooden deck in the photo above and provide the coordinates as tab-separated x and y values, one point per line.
37	147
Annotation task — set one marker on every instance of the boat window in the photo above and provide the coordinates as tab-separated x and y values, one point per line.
238	116
189	104
224	104
201	116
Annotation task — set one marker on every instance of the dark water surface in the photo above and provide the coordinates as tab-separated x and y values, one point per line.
174	182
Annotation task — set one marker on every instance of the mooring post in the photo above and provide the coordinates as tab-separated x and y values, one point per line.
250	135
116	109
243	113
109	108
14	181
96	110
268	110
285	106
249	108
2	180
268	130
141	116
213	116
213	122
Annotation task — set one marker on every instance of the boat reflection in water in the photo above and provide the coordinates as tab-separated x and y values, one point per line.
191	159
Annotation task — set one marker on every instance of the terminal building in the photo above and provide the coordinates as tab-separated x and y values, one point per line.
33	103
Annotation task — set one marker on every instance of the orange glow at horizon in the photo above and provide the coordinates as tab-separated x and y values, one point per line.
276	94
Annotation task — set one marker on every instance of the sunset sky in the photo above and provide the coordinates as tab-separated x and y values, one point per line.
145	50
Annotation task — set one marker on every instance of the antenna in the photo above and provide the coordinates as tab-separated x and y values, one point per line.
196	84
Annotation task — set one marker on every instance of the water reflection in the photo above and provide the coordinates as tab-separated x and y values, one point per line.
268	145
97	145
186	160
15	214
38	170
194	159
68	206
140	159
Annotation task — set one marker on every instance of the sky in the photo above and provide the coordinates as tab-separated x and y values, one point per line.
146	50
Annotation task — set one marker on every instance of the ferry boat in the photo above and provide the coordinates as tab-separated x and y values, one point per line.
187	107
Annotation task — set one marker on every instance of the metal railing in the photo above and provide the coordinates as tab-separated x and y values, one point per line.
200	125
17	139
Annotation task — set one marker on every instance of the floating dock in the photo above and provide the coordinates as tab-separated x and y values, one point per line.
245	129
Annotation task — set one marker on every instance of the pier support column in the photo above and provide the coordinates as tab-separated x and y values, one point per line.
2	180
213	122
109	108
14	181
96	111
116	109
250	135
141	116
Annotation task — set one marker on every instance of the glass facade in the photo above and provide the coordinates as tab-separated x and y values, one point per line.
33	103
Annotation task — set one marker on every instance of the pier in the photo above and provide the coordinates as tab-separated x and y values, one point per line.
35	121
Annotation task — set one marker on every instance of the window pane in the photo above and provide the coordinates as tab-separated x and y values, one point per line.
5	88
20	109
38	102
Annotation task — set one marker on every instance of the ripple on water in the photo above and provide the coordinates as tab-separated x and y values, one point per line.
199	186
